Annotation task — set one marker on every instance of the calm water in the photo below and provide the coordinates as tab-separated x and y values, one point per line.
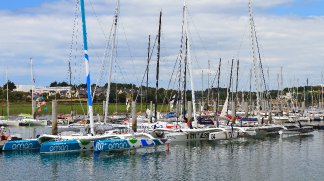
295	158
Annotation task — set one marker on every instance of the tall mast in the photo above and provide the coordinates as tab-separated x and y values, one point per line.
202	91
86	59
255	62
230	83
112	56
33	87
147	69
218	77
208	88
297	97
250	93
236	94
190	65
157	67
7	93
185	78
70	76
321	90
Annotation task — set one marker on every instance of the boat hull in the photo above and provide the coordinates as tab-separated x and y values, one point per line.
66	146
223	135
126	144
8	123
13	145
99	145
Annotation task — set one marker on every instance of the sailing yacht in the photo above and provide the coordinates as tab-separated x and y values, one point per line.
5	120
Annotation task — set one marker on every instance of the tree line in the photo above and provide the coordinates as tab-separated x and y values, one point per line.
121	92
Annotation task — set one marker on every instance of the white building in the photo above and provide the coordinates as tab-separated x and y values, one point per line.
51	91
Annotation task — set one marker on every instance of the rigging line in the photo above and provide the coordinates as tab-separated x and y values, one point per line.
129	50
123	73
169	83
97	57
195	27
194	54
76	15
75	47
259	54
148	62
104	63
97	18
241	43
214	78
179	57
74	42
118	65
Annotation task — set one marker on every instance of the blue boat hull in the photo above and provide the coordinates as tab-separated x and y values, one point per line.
125	144
66	146
99	145
13	145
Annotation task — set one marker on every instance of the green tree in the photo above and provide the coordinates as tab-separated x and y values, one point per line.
53	84
11	85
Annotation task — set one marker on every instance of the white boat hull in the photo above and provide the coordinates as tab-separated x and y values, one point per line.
223	135
9	123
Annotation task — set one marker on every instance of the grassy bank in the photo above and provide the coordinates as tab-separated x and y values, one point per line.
65	108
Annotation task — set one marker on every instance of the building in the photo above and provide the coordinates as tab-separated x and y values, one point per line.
50	91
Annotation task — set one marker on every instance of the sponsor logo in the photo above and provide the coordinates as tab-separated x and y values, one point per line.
114	145
22	146
59	148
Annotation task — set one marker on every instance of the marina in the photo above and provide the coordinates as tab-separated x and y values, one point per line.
177	109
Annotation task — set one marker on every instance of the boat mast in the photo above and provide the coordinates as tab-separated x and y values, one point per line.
321	105
281	88
236	93
157	67
112	56
185	79
230	85
7	94
190	65
71	98
218	77
255	62
147	69
86	59
208	88
33	87
202	92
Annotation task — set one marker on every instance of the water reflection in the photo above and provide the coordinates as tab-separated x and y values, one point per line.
294	158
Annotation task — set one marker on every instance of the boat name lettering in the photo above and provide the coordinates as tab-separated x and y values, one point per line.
204	135
22	146
59	148
111	145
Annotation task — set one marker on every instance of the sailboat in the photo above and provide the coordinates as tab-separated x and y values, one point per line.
294	130
4	120
261	129
9	142
30	120
105	142
193	132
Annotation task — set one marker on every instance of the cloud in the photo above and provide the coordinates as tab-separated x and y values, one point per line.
219	29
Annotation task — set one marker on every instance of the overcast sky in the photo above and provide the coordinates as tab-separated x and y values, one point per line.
290	33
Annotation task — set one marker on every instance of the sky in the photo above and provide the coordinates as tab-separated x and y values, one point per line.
290	35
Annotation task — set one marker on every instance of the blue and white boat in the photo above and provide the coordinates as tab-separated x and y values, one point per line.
15	145
103	143
10	142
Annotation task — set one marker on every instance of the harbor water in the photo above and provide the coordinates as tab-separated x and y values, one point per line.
274	158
